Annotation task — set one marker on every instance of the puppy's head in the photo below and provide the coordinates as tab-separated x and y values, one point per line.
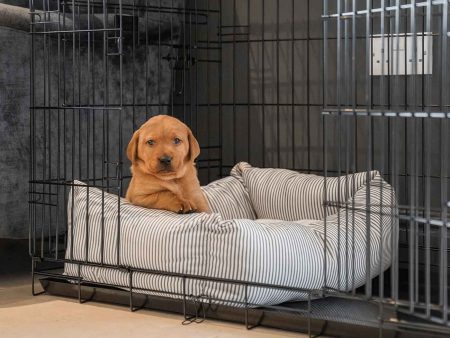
162	147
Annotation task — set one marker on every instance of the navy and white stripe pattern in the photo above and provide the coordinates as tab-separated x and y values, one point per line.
287	252
149	239
229	198
288	195
291	253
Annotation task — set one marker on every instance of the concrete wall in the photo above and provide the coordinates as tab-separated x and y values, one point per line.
67	143
14	131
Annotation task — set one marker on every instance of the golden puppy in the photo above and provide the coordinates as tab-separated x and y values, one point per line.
162	153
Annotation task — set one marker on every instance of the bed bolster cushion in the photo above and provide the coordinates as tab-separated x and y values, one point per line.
291	253
288	195
229	198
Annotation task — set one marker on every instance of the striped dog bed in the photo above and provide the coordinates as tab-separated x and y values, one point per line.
268	226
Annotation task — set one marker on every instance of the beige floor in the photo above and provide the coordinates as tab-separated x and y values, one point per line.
22	315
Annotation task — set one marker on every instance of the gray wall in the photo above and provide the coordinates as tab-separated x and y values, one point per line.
67	143
14	131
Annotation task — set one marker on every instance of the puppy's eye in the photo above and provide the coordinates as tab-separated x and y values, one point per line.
176	140
151	142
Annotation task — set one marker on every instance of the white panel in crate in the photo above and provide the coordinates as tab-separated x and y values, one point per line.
424	55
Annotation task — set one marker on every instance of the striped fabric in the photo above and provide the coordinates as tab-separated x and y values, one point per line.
234	246
287	195
149	239
291	253
229	198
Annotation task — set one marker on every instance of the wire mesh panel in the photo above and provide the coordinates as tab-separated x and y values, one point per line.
246	77
386	99
271	83
99	70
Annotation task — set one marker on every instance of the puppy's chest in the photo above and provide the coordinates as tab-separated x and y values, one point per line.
154	187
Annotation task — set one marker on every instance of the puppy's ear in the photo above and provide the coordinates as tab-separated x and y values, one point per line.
194	148
132	150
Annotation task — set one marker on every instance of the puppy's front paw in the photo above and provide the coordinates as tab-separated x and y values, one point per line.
186	208
186	211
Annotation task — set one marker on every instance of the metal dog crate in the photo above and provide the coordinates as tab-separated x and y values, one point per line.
332	88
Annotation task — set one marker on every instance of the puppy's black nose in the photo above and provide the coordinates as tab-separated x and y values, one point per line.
165	160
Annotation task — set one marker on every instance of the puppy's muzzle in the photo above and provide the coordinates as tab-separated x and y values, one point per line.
165	161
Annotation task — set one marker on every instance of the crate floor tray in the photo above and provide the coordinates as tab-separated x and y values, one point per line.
330	316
